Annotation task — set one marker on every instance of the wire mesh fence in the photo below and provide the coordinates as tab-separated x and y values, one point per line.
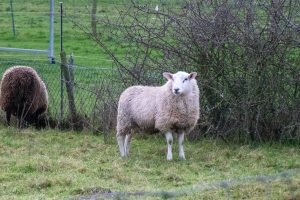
95	92
282	185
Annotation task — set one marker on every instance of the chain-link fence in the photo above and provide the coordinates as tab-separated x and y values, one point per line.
95	90
283	185
97	83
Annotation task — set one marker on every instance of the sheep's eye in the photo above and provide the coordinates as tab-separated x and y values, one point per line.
185	79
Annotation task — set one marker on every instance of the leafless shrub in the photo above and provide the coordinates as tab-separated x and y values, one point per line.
104	112
246	53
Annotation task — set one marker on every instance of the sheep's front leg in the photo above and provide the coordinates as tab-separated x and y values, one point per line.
121	141
180	145
127	144
169	138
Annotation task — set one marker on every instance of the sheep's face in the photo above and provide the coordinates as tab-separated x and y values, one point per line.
181	82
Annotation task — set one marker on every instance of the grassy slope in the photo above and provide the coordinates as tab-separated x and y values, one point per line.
53	164
32	30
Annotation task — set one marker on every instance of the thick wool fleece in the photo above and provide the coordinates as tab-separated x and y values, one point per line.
22	90
157	108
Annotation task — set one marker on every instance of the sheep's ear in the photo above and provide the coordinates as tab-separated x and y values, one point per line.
193	75
168	75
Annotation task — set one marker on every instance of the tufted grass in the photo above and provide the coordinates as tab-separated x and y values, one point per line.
51	164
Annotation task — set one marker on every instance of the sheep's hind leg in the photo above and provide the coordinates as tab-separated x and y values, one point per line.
169	138
127	143
180	146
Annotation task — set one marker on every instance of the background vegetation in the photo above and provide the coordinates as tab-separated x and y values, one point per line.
246	55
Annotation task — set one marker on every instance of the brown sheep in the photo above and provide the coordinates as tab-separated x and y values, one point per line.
23	94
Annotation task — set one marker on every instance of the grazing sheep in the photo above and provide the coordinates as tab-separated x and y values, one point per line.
171	108
23	94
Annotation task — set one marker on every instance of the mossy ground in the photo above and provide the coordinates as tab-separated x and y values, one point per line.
51	164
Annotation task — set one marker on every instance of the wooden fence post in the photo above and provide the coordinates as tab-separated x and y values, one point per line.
69	86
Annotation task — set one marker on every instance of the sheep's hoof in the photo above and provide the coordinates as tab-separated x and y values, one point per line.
125	156
182	158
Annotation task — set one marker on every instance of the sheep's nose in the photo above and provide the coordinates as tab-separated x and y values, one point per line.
176	90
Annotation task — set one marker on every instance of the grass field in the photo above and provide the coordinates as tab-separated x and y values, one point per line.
32	31
51	164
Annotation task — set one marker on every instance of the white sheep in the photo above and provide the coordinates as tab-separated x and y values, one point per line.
171	108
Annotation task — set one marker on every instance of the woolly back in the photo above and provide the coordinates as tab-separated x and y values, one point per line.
19	87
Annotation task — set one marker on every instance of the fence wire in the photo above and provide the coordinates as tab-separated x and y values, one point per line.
95	90
229	186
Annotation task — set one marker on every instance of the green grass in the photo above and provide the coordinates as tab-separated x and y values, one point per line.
51	164
32	30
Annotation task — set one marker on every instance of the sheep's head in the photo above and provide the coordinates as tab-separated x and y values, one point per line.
181	82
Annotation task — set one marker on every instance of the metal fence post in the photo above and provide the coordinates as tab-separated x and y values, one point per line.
51	41
61	67
49	51
69	88
12	18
